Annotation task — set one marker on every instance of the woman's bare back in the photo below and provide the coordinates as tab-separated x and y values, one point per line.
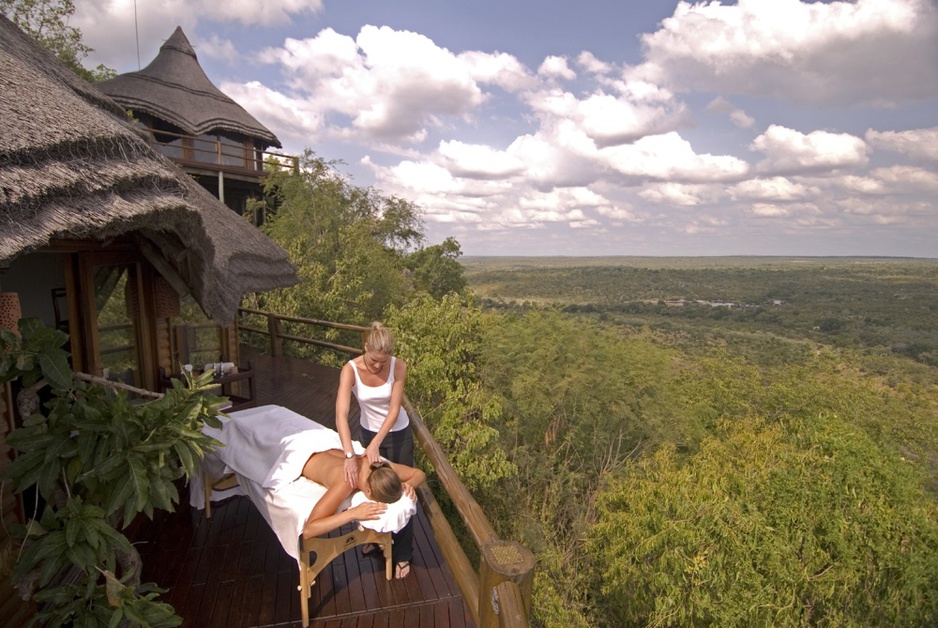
325	467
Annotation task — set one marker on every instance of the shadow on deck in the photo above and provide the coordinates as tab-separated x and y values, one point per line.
231	571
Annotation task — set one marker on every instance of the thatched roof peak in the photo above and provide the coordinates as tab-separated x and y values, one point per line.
175	88
179	41
72	167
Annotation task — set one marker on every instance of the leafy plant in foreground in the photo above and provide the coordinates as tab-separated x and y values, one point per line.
96	460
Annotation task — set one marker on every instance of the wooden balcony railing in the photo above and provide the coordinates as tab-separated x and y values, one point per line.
499	594
219	153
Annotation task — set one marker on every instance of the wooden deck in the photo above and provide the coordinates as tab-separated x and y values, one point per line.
231	571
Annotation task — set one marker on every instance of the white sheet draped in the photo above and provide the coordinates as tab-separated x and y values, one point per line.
267	447
270	444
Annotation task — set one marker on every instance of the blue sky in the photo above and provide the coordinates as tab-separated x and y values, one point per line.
596	127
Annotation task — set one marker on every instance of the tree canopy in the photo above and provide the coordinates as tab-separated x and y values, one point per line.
357	251
47	21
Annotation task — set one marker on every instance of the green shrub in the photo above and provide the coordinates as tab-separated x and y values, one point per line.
803	523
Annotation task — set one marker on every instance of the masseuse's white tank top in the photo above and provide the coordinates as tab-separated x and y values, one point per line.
375	402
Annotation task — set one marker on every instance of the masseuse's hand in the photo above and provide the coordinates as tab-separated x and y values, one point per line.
371	453
409	491
368	511
350	469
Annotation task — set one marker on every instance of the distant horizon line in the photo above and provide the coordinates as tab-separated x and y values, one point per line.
909	257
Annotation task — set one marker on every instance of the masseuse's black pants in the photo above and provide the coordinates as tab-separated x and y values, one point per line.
397	447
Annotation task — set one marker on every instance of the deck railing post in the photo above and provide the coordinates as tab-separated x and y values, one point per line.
276	343
504	561
511	605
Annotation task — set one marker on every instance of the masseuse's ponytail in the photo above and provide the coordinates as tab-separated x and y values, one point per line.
380	339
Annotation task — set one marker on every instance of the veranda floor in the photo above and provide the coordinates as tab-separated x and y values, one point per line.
231	571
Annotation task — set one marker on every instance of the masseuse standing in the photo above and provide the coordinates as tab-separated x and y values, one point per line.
377	379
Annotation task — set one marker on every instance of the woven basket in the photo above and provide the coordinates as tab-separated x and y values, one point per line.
10	311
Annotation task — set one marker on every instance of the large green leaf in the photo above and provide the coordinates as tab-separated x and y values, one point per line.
51	547
56	370
115	538
50	568
185	457
141	488
159	493
122	494
42	339
106	466
31	438
49	478
63	447
6	363
82	557
26	469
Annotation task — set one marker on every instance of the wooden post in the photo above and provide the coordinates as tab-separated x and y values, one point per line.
511	605
276	344
504	561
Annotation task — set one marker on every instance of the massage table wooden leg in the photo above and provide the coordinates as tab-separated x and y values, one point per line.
211	483
327	549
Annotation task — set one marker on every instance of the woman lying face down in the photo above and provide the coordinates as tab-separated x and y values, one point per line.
383	483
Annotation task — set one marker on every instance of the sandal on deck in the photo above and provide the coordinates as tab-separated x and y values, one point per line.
370	549
401	570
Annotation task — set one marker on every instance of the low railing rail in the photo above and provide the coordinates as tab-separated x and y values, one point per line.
212	151
499	594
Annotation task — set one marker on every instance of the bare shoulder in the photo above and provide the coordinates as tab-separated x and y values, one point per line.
347	374
400	368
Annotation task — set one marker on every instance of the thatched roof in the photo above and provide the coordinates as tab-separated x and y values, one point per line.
73	167
174	88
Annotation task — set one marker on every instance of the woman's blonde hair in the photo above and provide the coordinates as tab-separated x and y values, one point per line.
380	339
384	483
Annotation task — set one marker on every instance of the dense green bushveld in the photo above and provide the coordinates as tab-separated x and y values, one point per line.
770	463
593	418
712	468
803	522
890	304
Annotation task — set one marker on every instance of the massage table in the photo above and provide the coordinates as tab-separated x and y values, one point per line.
262	456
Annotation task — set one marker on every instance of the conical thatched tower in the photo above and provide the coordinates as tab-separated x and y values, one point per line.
207	133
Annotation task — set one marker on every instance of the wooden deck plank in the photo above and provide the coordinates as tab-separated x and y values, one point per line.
231	571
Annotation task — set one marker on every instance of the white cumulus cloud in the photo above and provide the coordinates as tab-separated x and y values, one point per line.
790	151
770	189
556	67
478	161
810	52
390	84
671	157
919	144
